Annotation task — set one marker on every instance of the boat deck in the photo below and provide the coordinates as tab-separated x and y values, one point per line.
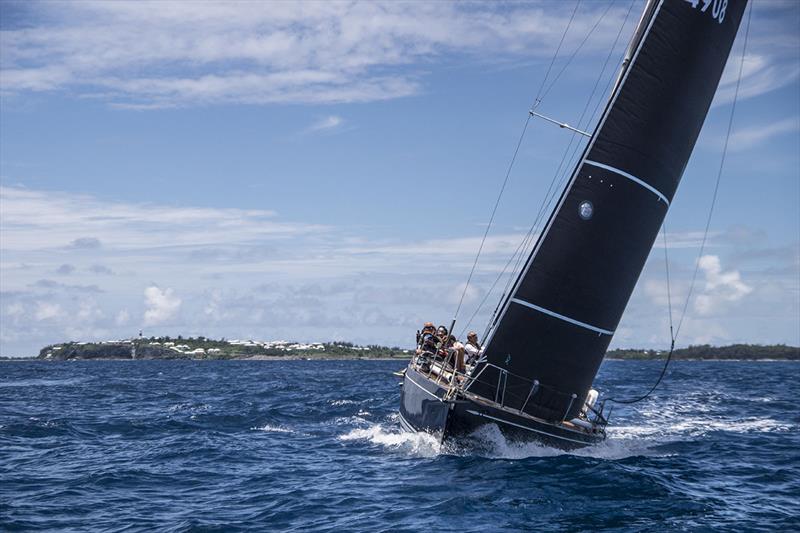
442	374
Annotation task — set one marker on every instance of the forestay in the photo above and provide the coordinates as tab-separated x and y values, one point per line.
557	321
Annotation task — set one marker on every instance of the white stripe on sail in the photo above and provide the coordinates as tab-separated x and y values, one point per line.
630	177
562	317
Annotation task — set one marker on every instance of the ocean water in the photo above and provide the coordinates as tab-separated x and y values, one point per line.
316	446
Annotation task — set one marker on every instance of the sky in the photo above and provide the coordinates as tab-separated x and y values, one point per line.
325	171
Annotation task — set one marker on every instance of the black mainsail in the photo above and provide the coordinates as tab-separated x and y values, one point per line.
555	325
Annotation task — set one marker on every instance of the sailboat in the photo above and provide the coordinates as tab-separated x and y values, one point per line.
545	344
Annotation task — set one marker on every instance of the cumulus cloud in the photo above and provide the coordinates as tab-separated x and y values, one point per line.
720	287
329	283
161	305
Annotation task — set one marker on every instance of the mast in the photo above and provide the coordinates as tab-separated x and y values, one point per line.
557	321
638	33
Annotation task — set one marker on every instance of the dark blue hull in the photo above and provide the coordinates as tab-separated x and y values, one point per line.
421	404
423	408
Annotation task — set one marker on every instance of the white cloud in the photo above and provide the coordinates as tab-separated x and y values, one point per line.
88	311
161	305
292	281
214	307
472	293
657	292
47	310
193	53
328	123
36	220
720	286
466	247
15	310
122	317
750	136
761	73
201	53
686	239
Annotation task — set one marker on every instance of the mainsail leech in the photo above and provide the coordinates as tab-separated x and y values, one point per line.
589	257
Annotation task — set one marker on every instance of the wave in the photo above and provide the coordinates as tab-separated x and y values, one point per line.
338	403
686	419
701	426
636	440
487	442
43	382
272	429
393	436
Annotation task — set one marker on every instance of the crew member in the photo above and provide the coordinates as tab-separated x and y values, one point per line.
427	340
453	352
473	348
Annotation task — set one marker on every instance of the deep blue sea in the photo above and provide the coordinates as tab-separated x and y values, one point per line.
316	446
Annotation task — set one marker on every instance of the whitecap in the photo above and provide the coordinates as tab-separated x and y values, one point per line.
680	425
272	429
700	426
189	407
337	403
43	382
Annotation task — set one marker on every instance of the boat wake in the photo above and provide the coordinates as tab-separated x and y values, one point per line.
394	437
487	442
651	438
696	427
656	429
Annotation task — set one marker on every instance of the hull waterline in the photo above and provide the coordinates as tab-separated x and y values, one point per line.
423	408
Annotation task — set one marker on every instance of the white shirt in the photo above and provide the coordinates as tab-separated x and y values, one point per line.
472	351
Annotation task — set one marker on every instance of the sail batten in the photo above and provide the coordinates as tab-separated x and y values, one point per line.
557	321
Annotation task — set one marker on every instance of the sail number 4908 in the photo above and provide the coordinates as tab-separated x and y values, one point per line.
718	7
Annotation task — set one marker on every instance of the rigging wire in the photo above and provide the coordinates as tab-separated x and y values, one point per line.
705	233
578	49
562	169
519	252
671	334
548	197
537	101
